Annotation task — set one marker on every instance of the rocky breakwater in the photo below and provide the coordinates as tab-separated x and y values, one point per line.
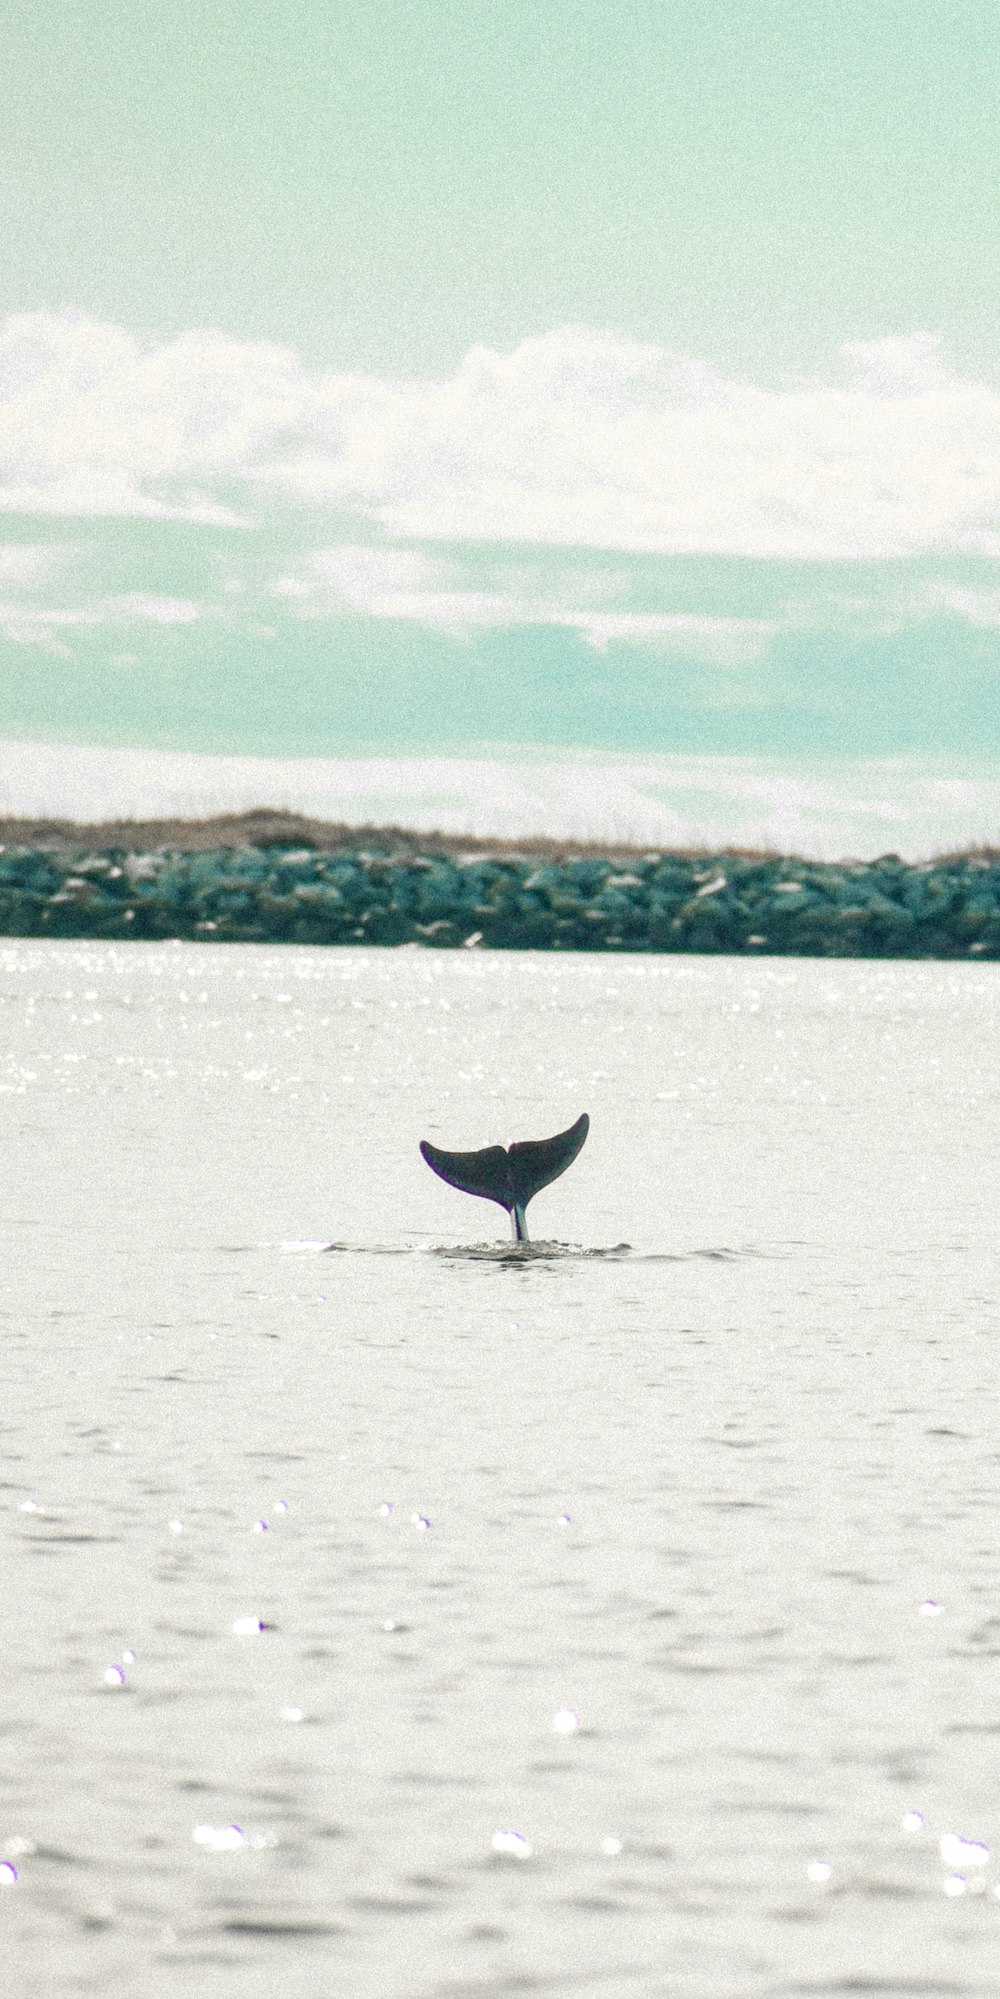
760	905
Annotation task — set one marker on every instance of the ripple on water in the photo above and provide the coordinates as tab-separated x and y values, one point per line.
767	1424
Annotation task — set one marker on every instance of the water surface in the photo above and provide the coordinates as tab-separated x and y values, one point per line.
711	1476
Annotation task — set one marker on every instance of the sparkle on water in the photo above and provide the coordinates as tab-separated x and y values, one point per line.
114	1676
958	1852
219	1838
819	1870
247	1627
513	1844
8	1873
566	1721
695	1407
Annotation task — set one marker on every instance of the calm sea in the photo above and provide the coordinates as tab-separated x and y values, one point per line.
389	1616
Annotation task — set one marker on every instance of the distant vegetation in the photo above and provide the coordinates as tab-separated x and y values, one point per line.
264	828
271	877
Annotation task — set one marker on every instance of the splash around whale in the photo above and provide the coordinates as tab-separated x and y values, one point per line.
510	1175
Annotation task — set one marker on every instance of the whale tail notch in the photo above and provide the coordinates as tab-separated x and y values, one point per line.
510	1176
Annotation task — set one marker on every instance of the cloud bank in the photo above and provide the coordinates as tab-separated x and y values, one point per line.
912	806
586	541
577	439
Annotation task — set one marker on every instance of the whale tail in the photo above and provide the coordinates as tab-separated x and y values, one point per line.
510	1176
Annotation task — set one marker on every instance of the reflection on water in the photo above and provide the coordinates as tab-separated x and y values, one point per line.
373	1626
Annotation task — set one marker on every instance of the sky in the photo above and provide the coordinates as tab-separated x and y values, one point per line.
439	375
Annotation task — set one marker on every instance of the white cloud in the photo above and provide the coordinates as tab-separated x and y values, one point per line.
902	365
830	808
30	563
367	579
35	624
721	641
976	607
100	495
26	625
575	439
88	419
405	584
142	607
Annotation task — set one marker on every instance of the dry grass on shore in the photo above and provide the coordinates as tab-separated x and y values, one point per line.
263	827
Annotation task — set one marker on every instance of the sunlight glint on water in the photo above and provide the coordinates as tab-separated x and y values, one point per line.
625	1619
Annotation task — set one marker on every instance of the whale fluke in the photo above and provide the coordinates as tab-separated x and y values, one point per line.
513	1176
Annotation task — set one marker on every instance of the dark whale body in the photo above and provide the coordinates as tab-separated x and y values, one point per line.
511	1176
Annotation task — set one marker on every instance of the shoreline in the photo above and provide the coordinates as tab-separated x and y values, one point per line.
276	877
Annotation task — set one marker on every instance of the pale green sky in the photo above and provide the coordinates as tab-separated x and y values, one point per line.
696	305
386	182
